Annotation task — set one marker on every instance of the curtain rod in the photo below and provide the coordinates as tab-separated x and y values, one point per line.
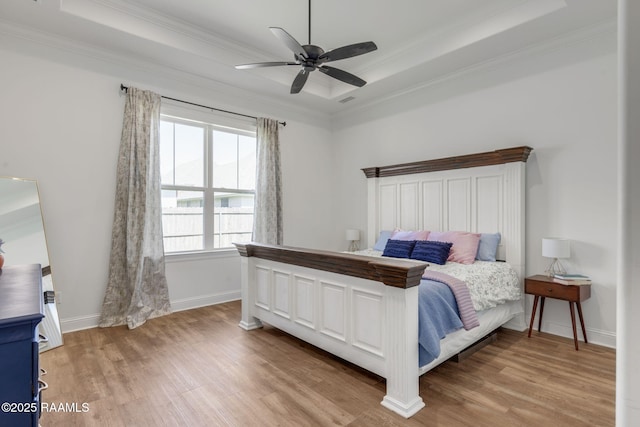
124	89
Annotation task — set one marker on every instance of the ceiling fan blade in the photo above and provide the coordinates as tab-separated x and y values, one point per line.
342	76
299	81
348	51
288	40
264	64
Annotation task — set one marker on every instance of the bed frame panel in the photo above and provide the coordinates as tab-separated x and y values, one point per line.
366	314
365	310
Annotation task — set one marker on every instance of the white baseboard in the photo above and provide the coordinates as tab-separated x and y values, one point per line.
78	323
204	300
72	324
594	336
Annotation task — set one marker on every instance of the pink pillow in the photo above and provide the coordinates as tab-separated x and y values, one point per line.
465	244
410	235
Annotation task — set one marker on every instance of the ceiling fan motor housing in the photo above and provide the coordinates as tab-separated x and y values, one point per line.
311	62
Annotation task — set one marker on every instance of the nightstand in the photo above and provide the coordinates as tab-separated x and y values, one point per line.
542	287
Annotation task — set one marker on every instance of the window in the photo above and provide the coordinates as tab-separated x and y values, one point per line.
208	184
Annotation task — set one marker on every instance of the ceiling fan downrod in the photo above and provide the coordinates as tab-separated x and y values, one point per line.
309	21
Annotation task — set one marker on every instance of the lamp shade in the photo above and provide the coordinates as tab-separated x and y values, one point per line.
352	235
556	248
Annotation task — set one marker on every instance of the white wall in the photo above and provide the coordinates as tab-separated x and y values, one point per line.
565	109
60	124
307	161
61	127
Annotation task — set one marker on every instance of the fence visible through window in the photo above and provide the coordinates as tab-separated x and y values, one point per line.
208	185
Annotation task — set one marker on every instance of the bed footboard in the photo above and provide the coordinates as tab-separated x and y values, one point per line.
362	309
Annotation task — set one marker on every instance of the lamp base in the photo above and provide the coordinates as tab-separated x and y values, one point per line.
353	246
555	268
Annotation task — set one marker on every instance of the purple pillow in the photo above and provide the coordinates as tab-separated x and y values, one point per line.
398	248
431	251
409	235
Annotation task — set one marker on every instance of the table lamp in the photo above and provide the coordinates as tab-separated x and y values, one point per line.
555	248
353	236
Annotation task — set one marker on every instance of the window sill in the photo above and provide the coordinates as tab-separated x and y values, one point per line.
201	255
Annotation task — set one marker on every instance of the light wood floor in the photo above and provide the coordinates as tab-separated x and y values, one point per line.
198	368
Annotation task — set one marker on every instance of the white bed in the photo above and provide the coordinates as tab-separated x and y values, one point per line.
496	293
365	309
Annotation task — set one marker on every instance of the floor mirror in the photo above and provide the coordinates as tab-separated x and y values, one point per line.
23	234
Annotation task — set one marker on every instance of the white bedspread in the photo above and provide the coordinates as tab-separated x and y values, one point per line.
490	283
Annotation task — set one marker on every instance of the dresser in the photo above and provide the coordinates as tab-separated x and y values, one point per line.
21	309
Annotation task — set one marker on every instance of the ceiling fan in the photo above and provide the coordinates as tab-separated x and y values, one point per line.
311	58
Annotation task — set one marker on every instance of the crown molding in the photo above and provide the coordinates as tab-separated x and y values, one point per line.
459	34
259	104
603	30
96	10
176	33
41	44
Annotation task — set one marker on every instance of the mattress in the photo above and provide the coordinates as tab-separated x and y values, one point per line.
490	320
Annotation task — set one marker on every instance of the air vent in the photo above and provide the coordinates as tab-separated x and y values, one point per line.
347	99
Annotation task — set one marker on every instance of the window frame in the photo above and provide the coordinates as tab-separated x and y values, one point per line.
210	123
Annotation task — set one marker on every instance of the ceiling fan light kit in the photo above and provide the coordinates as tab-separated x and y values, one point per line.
311	58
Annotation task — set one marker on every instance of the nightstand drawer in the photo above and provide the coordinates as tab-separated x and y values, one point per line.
553	290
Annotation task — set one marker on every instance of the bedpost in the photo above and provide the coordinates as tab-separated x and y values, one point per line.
401	348
247	321
372	212
514	224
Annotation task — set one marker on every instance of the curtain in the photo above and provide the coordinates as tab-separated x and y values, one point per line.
137	287
267	224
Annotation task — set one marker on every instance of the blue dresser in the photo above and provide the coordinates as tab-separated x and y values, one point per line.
21	309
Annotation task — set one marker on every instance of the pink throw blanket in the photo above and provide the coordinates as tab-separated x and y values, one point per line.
461	293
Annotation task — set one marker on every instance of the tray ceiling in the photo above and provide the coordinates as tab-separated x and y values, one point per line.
418	40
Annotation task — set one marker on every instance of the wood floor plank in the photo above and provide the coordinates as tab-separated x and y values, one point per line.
198	368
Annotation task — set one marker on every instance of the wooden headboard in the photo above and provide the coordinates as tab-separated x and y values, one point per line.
481	193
